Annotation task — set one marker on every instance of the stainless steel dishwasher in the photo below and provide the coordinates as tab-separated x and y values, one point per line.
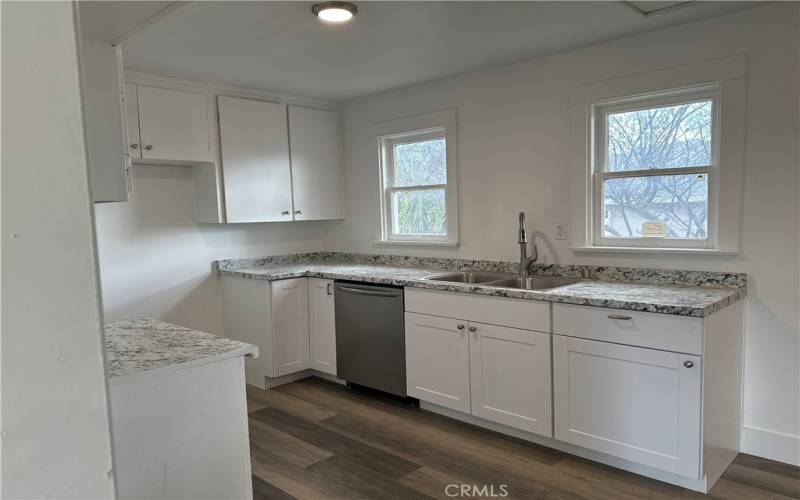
370	336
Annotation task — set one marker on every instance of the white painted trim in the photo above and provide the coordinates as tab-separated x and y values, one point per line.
771	444
655	251
138	77
599	169
437	123
700	485
729	75
726	68
272	382
418	243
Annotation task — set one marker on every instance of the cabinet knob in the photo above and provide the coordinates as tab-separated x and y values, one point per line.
134	146
460	327
473	329
148	147
285	212
298	212
688	364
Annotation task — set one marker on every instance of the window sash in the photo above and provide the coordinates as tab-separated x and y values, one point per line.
387	145
599	136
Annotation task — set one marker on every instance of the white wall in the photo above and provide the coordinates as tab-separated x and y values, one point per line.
514	154
156	261
55	427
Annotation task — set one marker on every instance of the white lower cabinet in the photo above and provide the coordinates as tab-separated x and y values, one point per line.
510	377
437	361
290	325
321	325
278	316
638	404
497	373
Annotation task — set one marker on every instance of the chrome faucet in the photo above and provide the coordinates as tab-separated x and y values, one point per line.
524	260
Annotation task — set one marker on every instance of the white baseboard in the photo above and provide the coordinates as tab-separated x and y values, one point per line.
272	382
701	485
770	444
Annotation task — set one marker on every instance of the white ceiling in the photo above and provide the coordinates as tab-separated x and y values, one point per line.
282	47
107	21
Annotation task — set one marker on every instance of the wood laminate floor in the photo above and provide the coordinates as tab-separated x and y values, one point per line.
315	439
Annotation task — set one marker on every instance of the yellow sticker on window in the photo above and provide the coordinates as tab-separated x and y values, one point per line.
654	230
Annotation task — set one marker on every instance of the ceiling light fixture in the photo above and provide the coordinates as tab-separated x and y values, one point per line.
335	12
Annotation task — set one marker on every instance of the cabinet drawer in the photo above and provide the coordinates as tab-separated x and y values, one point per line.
654	330
517	313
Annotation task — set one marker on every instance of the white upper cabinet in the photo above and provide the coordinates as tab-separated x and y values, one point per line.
132	116
510	377
322	325
316	165
173	125
101	85
255	160
279	164
642	405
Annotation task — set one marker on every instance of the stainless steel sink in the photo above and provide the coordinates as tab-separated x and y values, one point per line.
473	277
534	282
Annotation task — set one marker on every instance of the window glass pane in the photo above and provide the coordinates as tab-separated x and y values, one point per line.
665	137
419	212
420	163
669	206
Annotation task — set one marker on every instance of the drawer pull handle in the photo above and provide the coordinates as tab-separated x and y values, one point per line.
460	327
688	364
618	316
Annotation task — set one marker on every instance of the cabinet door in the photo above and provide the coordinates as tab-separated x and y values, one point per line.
255	160
289	326
322	325
101	88
316	167
173	125
132	117
638	404
437	361
510	375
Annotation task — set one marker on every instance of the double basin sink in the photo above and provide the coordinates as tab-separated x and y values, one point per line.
502	280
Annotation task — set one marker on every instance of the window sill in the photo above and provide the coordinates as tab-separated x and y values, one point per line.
652	250
417	243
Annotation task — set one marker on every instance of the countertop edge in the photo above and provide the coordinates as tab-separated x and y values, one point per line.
675	310
251	351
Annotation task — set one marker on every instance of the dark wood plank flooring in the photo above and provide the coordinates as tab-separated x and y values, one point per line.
314	439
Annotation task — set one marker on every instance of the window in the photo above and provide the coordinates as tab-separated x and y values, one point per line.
655	170
418	187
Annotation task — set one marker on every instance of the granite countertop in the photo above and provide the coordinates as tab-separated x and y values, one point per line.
144	344
659	297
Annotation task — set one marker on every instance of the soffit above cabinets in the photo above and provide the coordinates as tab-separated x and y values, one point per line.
283	47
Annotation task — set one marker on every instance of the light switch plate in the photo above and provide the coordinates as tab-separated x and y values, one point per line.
561	231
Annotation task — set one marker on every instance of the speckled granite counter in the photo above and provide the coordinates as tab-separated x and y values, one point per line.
143	344
685	293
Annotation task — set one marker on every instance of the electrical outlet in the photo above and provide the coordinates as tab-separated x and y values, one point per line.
561	231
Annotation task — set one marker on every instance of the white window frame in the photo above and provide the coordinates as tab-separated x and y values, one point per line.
598	138
408	130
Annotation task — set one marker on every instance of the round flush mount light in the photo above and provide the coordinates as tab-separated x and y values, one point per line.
335	12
